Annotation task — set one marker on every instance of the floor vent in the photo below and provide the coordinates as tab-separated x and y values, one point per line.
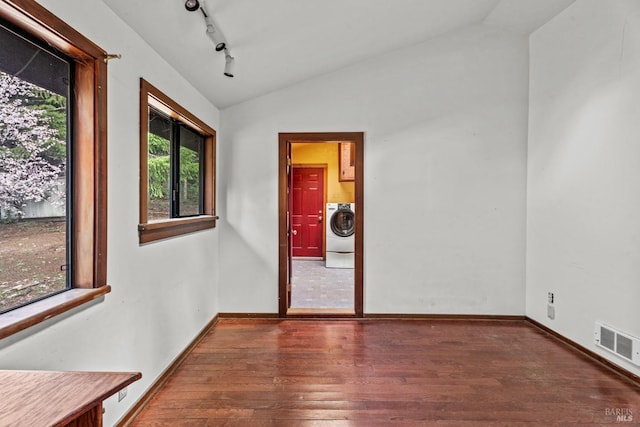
624	345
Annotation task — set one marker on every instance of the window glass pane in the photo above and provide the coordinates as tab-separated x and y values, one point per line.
159	162
34	111
190	191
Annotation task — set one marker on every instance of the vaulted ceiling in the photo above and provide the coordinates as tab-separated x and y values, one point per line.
278	43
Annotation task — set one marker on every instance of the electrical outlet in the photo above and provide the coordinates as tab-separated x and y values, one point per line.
550	298
551	312
122	394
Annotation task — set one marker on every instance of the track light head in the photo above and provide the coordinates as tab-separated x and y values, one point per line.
192	5
228	64
215	35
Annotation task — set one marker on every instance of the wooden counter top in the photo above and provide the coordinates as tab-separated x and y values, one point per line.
46	398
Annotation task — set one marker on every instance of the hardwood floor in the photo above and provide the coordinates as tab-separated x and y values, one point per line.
389	373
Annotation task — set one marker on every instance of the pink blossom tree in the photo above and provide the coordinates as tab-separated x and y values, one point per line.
25	135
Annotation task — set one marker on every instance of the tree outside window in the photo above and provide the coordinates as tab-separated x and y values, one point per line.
33	160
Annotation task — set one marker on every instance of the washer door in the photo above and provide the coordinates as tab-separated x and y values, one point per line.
343	222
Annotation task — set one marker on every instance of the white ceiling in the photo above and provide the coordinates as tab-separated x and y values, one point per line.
278	43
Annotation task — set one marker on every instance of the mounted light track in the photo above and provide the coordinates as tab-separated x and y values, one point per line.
214	33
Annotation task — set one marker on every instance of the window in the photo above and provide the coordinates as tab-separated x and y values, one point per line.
35	83
177	168
52	166
174	167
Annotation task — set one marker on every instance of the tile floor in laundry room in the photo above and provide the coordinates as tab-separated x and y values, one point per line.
315	286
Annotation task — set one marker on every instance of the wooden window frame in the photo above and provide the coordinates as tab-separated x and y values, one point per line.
89	192
149	231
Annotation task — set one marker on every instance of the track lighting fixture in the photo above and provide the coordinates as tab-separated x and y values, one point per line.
214	33
192	5
228	63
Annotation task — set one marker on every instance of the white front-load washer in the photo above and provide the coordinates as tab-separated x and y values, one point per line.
341	227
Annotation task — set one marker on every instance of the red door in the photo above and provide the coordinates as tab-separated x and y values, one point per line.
307	210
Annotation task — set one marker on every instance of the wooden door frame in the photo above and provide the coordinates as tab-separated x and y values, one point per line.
284	139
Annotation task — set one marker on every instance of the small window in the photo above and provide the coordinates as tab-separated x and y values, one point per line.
177	153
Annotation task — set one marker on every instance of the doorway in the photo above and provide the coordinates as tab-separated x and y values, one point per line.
304	181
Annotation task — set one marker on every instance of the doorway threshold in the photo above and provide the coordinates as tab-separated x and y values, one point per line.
321	313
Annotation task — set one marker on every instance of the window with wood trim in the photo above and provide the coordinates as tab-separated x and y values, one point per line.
177	168
55	82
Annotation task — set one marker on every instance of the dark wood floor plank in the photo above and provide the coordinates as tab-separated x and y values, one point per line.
387	372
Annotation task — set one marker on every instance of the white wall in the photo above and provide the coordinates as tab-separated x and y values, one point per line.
164	293
445	127
584	171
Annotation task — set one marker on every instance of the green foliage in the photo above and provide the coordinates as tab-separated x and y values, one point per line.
189	165
159	167
158	146
189	175
159	164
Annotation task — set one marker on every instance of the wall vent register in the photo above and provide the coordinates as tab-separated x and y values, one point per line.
617	342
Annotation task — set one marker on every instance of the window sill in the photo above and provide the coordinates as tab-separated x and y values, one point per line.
22	318
152	231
